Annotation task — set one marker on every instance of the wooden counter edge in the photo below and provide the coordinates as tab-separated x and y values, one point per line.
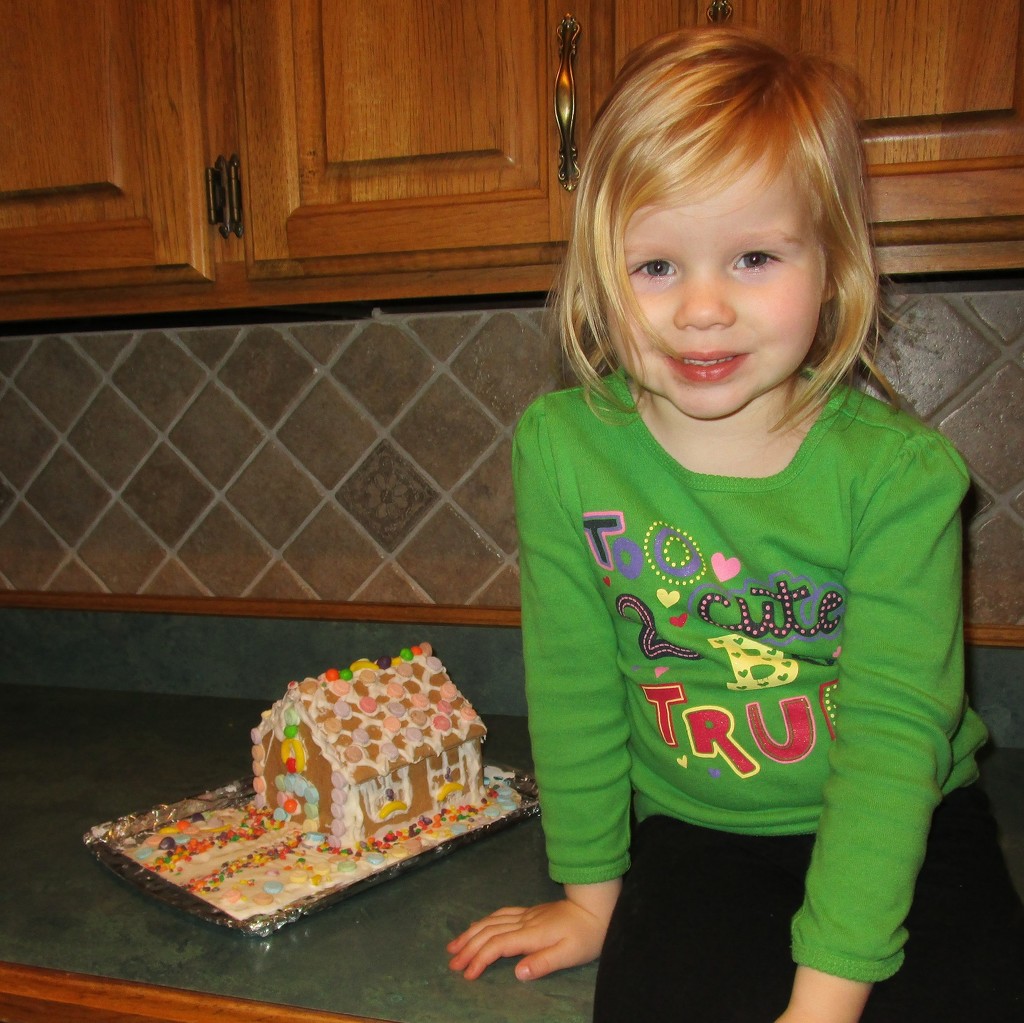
1008	635
32	994
247	607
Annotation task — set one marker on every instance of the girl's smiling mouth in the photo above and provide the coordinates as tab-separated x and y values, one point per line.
705	368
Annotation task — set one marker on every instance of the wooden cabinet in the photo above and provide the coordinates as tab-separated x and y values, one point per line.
101	150
943	108
398	150
410	149
416	136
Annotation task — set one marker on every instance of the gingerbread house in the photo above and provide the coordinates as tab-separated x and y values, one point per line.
362	750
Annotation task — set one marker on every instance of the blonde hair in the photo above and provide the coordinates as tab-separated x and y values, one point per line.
693	110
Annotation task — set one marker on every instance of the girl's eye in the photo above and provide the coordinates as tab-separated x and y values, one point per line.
753	260
655	268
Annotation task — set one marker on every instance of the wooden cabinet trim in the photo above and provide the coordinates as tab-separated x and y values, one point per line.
383	228
314	610
946	193
31	994
310	610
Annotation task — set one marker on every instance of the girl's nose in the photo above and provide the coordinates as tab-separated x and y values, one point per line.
704	303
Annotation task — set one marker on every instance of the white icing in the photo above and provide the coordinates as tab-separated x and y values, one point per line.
383	720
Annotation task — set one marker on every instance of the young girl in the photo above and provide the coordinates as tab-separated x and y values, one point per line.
741	590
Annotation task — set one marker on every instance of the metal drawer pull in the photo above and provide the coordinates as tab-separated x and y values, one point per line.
565	104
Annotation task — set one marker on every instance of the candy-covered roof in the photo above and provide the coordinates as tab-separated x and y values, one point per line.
375	716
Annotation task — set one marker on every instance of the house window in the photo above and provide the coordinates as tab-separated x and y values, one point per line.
389	796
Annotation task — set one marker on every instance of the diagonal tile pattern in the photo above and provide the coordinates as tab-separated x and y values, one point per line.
957	361
369	459
315	460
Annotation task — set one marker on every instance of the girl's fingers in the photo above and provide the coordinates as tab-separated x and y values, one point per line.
468	944
510	914
546	935
498	942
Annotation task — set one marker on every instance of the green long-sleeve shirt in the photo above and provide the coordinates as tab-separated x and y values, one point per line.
767	656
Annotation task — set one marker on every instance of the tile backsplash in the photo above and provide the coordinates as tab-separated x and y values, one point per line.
368	459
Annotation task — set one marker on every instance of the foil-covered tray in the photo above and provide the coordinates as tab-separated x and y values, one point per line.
215	856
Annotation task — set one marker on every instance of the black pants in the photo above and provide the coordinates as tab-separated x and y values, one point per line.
702	928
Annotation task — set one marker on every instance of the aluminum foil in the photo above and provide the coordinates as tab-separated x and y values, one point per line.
116	843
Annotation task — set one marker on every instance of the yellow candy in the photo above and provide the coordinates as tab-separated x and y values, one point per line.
293	748
448	789
395	806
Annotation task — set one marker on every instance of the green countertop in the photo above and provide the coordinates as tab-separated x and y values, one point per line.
75	758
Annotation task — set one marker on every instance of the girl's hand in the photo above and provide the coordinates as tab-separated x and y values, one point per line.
552	936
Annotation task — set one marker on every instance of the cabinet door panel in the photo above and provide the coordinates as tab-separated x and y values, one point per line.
73	151
407	129
942	106
370	115
101	162
941	77
944	125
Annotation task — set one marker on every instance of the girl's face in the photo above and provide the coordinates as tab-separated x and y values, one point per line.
732	283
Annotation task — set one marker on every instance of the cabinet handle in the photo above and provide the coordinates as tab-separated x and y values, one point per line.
565	103
720	11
